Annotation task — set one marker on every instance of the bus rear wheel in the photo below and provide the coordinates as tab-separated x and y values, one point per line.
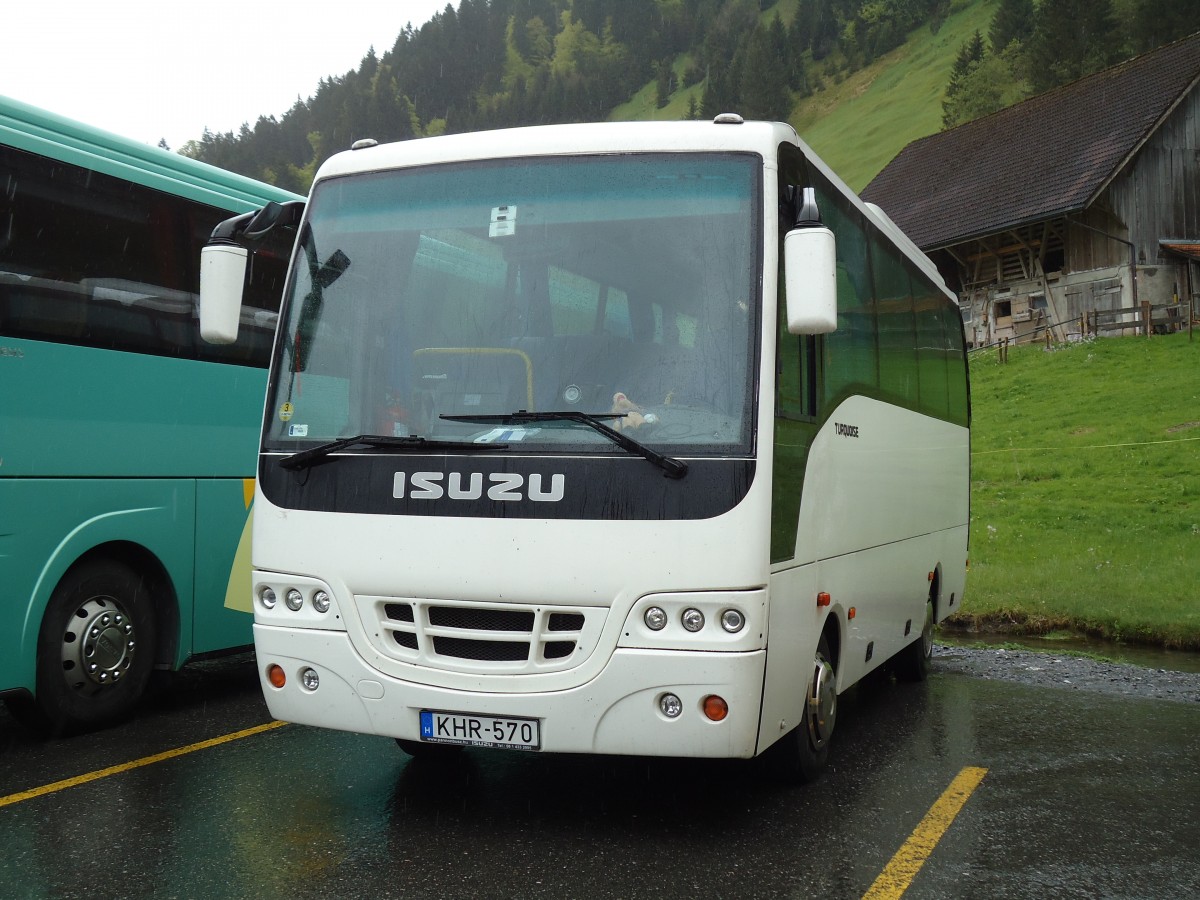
800	755
95	648
913	662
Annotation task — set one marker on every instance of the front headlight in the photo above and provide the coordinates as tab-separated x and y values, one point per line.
321	602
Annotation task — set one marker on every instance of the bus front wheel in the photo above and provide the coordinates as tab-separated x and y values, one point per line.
95	648
801	754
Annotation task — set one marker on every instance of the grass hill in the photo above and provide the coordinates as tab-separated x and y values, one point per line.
858	125
1085	502
858	122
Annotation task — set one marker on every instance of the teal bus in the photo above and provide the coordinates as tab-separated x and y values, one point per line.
127	444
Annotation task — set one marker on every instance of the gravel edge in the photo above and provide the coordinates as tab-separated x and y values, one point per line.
1067	672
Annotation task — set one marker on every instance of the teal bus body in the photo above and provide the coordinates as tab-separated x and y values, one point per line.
127	445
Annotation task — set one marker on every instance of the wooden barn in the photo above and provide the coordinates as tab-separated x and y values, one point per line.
1069	212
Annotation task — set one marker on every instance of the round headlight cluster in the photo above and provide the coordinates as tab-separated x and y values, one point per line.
294	598
692	619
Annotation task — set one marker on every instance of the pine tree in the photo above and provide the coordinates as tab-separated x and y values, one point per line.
1158	22
1013	21
664	83
1071	38
970	55
762	92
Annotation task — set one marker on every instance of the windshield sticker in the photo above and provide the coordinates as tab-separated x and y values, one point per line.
506	435
285	412
297	431
504	221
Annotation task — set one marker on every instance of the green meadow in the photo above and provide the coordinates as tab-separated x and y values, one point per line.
1085	500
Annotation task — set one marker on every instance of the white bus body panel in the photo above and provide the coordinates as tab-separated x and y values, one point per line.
884	505
880	474
604	703
614	713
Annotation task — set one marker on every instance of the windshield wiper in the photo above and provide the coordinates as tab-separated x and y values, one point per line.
672	468
306	458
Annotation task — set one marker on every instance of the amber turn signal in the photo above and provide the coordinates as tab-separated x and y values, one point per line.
715	707
276	676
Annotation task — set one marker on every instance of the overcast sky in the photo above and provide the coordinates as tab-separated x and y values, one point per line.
169	69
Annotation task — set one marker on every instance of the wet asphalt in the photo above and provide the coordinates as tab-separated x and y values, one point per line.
1087	794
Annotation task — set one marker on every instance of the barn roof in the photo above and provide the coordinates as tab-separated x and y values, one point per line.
1045	157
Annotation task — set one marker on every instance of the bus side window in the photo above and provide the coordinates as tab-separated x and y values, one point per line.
797	363
796	370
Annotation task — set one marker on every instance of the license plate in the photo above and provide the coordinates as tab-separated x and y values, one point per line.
480	731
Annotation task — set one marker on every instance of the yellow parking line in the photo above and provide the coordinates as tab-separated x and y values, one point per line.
895	879
135	764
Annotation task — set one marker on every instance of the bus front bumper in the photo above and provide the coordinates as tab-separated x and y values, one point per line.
617	712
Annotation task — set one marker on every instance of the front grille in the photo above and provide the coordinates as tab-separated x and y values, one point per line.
491	651
472	619
401	612
485	638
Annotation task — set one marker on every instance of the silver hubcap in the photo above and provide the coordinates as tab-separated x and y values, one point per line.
927	632
98	645
822	703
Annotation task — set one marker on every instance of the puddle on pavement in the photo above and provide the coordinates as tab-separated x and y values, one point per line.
1148	657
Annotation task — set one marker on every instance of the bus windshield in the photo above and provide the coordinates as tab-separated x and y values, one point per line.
439	302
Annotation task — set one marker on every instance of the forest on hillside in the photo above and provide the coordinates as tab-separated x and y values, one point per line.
501	63
1034	47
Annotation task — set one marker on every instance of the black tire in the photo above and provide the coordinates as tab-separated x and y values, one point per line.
95	648
800	755
424	750
913	662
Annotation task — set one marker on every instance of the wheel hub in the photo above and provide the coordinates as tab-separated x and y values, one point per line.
98	645
822	703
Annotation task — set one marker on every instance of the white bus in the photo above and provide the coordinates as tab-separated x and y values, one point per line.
581	439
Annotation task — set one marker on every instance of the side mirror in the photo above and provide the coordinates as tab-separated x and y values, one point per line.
222	276
810	279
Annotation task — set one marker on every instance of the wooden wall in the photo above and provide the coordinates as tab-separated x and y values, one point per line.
1158	196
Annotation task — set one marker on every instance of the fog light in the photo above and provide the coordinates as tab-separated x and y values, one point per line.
294	600
276	676
693	619
715	707
670	705
321	602
732	621
655	618
310	679
267	598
